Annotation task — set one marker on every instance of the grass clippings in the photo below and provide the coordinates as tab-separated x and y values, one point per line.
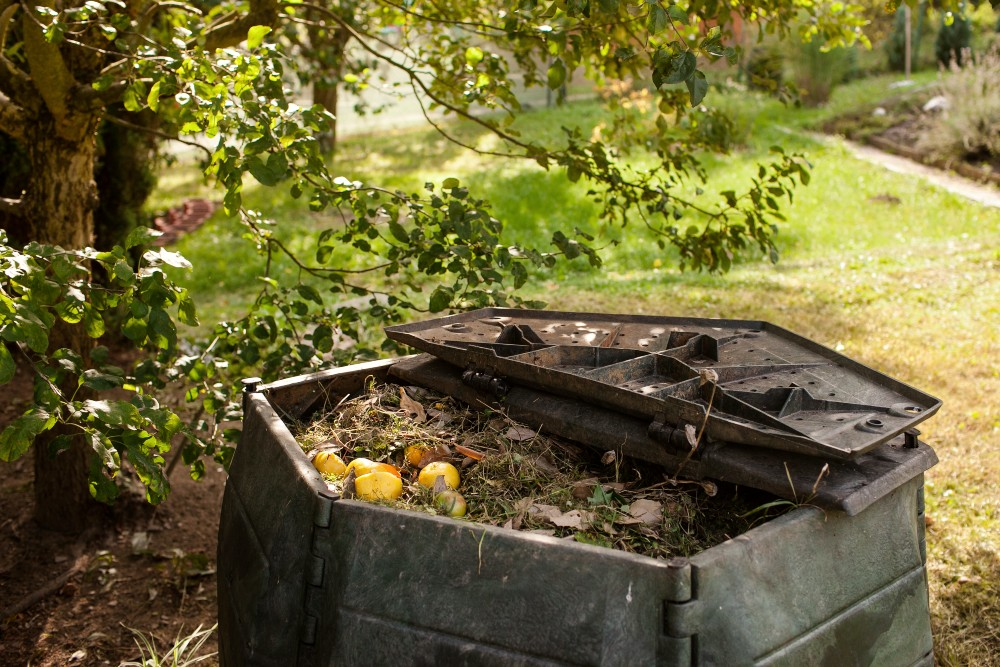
517	478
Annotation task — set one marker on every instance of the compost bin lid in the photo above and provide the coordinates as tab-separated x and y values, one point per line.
742	382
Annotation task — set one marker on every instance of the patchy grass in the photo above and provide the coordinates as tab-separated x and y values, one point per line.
900	275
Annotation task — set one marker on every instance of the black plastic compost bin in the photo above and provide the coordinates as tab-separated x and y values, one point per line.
308	578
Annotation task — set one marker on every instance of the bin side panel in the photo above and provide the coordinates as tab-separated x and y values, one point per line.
367	641
763	590
889	628
517	592
266	529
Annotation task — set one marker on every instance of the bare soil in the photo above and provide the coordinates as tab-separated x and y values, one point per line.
74	598
899	130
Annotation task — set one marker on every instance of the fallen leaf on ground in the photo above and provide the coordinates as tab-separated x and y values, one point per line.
520	433
578	519
584	488
573	519
468	451
648	512
412	408
543	463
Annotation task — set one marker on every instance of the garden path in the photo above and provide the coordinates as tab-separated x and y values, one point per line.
984	194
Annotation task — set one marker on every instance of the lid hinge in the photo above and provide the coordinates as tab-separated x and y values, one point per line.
681	616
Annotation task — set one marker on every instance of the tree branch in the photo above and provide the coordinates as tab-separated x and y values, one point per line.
51	76
13	119
98	98
115	120
232	28
12	79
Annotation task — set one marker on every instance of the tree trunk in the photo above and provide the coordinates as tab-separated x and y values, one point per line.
326	94
59	206
327	51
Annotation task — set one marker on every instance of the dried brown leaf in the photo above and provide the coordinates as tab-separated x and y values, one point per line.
647	511
468	451
348	489
413	409
440	486
578	519
523	505
692	435
520	433
543	464
609	457
584	488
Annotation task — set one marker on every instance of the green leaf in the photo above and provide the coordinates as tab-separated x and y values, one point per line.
134	96
322	338
149	468
277	164
102	486
682	66
256	35
474	55
140	236
113	413
232	201
310	293
164	256
32	331
16	439
7	365
556	74
186	311
657	20
440	299
93	322
260	171
697	87
100	381
135	329
678	14
153	99
398	232
450	183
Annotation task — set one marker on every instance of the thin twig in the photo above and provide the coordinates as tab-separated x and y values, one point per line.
53	586
115	120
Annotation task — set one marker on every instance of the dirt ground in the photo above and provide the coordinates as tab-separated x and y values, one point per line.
148	569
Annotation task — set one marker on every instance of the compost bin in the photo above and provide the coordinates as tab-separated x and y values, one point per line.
309	578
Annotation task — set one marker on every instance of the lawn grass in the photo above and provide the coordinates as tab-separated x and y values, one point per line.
897	274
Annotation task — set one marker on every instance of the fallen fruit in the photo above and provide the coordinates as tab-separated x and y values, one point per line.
451	502
414	453
378	485
433	470
329	463
389	468
362	466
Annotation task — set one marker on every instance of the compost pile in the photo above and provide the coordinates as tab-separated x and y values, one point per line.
517	478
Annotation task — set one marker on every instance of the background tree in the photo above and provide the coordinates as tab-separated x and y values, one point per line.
953	39
64	65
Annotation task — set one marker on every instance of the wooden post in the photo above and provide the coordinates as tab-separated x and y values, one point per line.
907	14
